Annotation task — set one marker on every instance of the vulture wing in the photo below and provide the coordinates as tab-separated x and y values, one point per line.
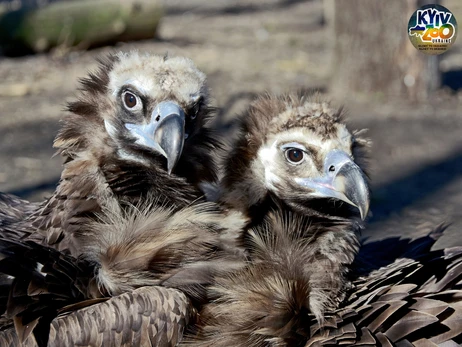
41	282
148	316
408	303
12	211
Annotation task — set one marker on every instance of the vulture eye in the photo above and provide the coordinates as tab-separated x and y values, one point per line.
130	100
294	155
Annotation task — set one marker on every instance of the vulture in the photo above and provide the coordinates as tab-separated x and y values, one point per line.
122	251
138	122
296	160
296	172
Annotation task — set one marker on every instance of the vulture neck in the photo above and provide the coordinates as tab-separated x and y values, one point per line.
316	223
94	179
102	177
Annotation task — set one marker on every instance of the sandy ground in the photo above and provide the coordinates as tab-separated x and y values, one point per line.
248	47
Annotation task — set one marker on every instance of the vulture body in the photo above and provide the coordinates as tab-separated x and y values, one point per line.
126	214
295	171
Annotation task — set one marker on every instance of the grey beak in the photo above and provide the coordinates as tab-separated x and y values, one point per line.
343	180
165	133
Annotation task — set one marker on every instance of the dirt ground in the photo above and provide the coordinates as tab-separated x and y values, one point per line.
248	47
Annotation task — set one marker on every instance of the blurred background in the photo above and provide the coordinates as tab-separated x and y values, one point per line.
357	52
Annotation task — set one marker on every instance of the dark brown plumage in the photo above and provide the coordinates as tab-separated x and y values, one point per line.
134	248
122	207
293	172
12	211
408	303
148	316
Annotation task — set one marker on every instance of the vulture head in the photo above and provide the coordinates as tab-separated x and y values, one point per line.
143	110
299	151
150	105
143	107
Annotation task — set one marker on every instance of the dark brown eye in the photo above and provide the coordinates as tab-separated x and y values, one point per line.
130	100
294	155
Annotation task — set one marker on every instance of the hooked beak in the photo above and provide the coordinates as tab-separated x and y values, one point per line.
343	180
165	133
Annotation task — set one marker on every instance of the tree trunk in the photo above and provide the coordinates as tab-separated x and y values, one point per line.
373	54
79	23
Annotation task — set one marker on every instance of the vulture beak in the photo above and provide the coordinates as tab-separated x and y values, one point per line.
342	180
165	133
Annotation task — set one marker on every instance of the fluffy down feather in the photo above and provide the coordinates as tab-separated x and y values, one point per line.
292	277
138	247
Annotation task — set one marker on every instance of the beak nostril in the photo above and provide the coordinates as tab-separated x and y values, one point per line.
158	118
332	168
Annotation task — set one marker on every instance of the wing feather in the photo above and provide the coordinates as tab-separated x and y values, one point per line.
144	317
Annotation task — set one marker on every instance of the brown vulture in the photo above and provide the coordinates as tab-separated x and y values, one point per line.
126	214
295	171
296	160
138	119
